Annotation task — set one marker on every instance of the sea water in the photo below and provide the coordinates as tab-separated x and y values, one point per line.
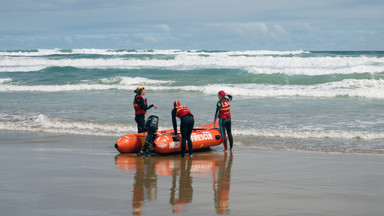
292	100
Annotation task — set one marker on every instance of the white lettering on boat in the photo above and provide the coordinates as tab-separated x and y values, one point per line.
173	145
205	135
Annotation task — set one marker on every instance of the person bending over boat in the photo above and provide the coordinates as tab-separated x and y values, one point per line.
223	112
186	125
141	107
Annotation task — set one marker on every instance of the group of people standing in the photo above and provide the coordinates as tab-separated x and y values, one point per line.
223	114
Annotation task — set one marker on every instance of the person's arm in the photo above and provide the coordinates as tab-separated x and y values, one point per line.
142	105
150	106
217	111
174	122
140	102
229	96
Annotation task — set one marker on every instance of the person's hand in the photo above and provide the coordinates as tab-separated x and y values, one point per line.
155	106
175	137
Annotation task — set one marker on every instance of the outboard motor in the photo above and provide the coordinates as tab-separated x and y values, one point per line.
152	124
151	127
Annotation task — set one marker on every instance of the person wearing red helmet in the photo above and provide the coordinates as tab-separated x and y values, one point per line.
141	107
223	112
186	125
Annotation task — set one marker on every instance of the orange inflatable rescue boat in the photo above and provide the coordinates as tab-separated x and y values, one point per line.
167	142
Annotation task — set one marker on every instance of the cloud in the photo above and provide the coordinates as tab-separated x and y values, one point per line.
164	27
150	39
249	29
213	24
156	27
68	40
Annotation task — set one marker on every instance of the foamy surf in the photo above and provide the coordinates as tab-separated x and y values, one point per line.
255	62
292	100
344	88
309	134
287	139
113	52
45	123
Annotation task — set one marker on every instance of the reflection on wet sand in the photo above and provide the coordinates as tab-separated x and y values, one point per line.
145	184
222	185
182	171
185	186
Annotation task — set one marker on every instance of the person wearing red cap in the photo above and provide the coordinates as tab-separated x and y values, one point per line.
186	125
223	112
141	107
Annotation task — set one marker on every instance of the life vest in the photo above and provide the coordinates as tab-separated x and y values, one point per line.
225	109
182	111
138	109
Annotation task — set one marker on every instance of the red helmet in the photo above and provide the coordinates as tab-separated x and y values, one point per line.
176	103
221	93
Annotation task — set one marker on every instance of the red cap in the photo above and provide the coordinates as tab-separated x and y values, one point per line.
222	93
176	103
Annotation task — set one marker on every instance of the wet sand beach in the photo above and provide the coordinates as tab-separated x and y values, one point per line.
50	174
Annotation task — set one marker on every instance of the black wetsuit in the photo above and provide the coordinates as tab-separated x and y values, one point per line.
186	126
225	126
140	118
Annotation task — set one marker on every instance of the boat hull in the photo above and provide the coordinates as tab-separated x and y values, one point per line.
167	142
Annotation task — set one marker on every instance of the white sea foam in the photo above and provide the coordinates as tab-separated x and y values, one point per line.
344	88
337	140
120	83
255	62
141	80
44	52
59	88
43	123
310	134
5	80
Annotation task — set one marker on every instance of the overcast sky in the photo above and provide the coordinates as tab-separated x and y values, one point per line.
193	24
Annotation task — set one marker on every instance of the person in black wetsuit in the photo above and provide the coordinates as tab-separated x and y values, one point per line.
223	112
186	125
141	107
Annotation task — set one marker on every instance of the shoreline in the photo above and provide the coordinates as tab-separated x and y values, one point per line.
60	174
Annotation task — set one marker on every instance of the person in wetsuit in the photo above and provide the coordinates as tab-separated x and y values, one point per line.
223	112
141	107
186	125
